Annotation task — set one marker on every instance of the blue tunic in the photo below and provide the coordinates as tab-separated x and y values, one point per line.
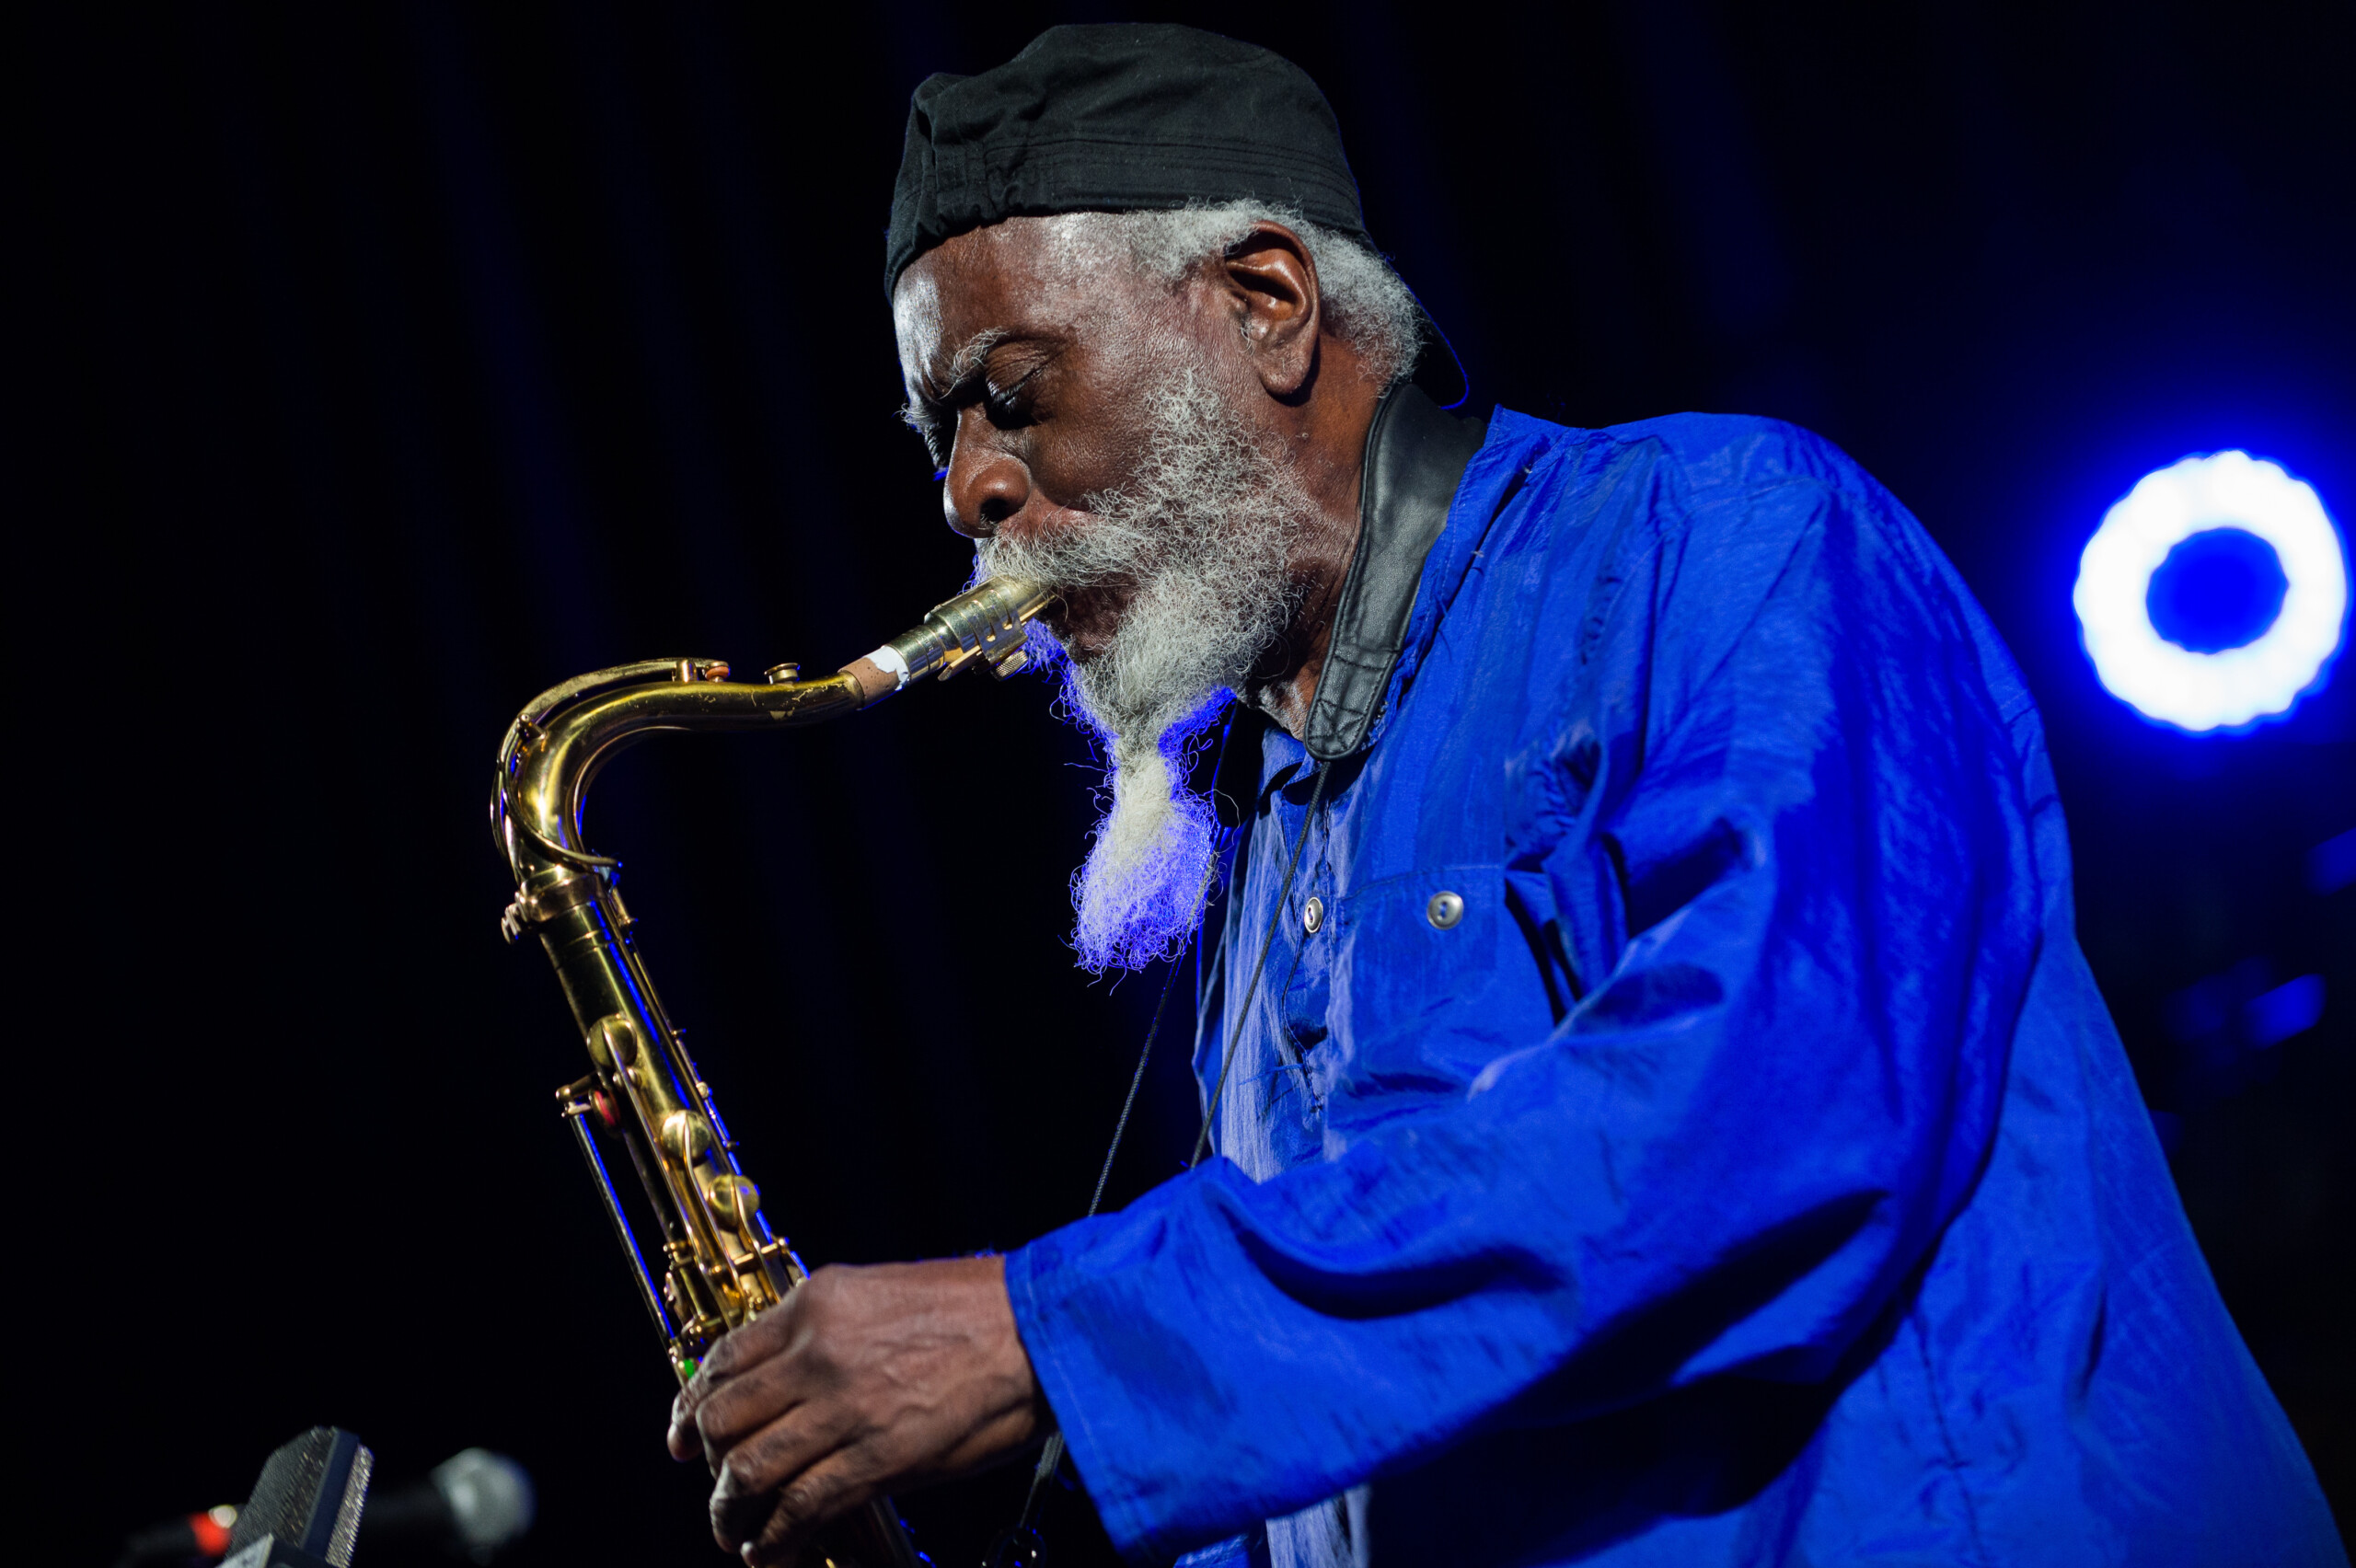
1751	1175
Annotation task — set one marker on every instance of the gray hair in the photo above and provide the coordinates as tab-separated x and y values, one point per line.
1365	302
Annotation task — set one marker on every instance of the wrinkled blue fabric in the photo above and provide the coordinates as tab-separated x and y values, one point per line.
1754	1175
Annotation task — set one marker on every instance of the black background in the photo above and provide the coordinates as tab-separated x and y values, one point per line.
386	364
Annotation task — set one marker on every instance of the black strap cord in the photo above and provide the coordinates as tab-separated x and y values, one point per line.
1020	1547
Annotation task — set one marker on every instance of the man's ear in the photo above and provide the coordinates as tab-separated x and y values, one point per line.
1272	287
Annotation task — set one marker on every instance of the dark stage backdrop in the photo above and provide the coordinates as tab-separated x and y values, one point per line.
390	364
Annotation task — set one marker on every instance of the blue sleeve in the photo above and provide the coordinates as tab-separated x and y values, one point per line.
1788	853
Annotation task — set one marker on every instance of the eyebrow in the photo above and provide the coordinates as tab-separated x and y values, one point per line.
966	365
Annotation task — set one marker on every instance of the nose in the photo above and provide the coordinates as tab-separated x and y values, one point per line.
984	486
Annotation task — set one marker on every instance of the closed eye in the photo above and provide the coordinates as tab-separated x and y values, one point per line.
1009	406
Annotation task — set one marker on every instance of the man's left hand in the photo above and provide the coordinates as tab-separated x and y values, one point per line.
860	1380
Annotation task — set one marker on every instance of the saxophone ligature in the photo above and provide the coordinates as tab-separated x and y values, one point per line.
720	1264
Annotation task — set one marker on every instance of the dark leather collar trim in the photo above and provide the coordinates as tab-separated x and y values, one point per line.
1415	456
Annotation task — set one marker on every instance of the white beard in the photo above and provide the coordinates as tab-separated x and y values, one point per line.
1205	530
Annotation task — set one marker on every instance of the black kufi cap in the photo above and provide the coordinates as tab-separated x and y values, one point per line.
1118	117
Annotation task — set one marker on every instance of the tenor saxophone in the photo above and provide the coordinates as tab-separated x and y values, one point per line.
720	1263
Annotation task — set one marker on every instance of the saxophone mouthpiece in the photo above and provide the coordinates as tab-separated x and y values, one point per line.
986	622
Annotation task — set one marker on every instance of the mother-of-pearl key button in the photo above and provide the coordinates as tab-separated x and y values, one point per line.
1444	911
1312	914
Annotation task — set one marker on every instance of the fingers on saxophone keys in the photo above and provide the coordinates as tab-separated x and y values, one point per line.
752	1348
778	1486
799	1510
686	1438
737	1349
765	1338
753	1409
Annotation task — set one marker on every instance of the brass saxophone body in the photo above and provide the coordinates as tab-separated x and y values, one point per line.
719	1264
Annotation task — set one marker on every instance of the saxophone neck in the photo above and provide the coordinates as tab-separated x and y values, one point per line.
564	736
560	741
988	622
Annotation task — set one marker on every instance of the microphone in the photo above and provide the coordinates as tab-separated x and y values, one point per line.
475	1503
304	1512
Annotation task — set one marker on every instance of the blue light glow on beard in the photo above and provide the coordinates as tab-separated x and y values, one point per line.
1136	894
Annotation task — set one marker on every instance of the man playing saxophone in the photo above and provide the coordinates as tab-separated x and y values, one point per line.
1660	1112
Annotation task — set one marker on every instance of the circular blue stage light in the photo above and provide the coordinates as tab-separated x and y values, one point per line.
2221	588
2208	645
